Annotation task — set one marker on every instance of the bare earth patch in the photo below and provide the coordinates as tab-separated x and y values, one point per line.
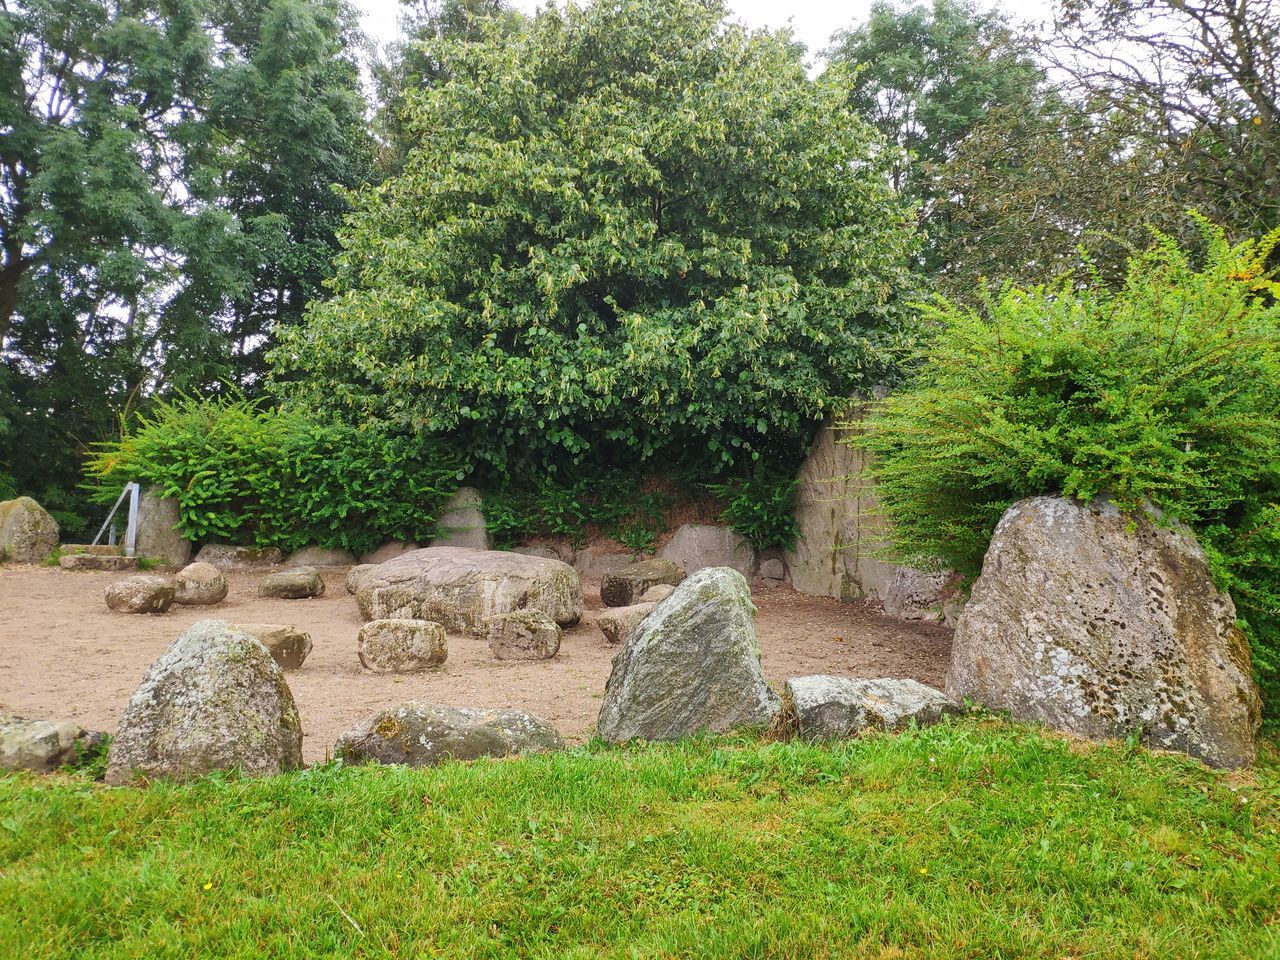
64	655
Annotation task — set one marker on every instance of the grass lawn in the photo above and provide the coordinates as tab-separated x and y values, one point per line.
977	839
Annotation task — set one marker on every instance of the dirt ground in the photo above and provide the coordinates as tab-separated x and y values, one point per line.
64	655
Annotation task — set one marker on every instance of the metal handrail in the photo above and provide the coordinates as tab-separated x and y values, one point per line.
132	490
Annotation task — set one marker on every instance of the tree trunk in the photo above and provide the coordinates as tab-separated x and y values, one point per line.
10	277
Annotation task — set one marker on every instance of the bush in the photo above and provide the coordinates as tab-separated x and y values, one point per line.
761	507
1165	391
245	474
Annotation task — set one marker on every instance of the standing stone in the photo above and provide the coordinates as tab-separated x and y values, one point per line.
199	584
158	535
287	645
27	533
144	593
691	665
401	646
523	635
43	745
462	522
423	734
321	557
224	556
1106	625
696	546
617	623
627	586
215	700
299	583
833	708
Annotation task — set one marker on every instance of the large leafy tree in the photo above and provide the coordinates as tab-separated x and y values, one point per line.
628	228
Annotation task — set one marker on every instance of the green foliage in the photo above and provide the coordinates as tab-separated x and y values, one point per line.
245	474
1166	391
630	227
761	507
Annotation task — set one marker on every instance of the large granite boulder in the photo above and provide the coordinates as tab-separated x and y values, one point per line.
43	745
1107	625
461	588
401	645
287	645
693	664
523	635
224	556
461	523
320	557
695	546
627	586
422	734
158	535
27	533
617	623
144	593
833	708
199	585
297	583
215	700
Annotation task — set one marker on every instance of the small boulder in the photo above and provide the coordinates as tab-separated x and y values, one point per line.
461	524
356	576
834	708
388	551
144	593
627	586
287	645
692	665
657	593
97	562
401	646
321	557
696	546
226	557
773	571
43	745
616	623
297	583
158	535
423	734
523	635
215	700
199	585
27	533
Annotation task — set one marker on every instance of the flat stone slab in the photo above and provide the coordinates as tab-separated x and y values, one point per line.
835	708
97	562
424	734
627	586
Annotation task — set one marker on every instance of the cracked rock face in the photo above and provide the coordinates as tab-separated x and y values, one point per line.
1104	625
215	700
423	734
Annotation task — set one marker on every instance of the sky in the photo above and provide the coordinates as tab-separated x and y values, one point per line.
812	20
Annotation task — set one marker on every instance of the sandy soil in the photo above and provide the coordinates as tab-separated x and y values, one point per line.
63	654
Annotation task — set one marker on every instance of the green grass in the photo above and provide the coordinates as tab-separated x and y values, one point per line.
973	839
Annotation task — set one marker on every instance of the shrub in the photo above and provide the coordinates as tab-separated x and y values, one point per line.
761	507
1166	390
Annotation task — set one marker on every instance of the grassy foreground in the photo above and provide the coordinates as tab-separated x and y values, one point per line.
974	839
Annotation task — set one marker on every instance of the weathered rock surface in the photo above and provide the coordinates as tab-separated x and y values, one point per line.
601	559
917	595
772	571
388	551
43	745
523	635
832	708
548	551
461	524
199	584
27	533
617	623
144	593
627	586
657	593
398	645
693	664
97	562
321	557
461	588
298	583
423	734
226	557
696	546
1105	625
158	534
215	700
357	574
287	645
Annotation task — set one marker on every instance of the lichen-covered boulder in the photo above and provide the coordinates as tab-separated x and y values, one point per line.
298	583
461	522
144	593
833	708
693	664
215	700
356	574
627	586
1106	625
27	533
226	557
695	546
287	645
321	557
922	595
398	645
523	635
616	623
158	535
422	734
43	745
461	588
199	585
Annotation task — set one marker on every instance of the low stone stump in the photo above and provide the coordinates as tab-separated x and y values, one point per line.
617	623
224	556
299	583
836	708
626	587
43	746
287	645
422	734
97	563
200	585
144	593
523	635
401	646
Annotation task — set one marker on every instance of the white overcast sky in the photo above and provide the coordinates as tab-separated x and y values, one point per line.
812	20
